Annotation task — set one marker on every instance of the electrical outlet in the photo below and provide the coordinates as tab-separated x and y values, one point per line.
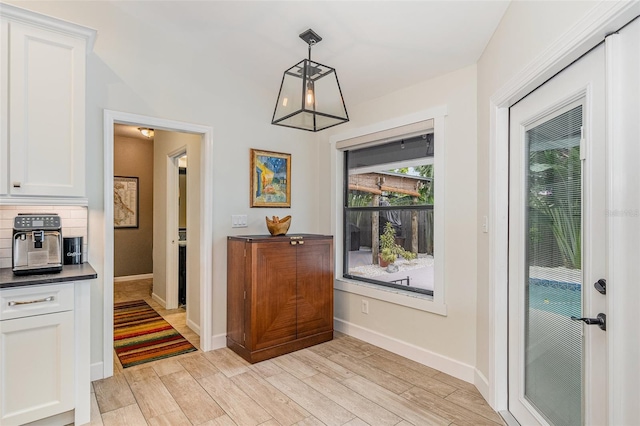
365	306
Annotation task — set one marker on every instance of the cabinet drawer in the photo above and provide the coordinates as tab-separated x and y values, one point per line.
35	300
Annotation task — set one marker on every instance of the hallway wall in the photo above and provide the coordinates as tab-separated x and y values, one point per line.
164	144
132	254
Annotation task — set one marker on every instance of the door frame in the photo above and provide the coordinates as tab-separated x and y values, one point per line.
604	18
206	222
171	228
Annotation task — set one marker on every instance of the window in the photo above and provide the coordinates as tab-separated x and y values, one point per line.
389	214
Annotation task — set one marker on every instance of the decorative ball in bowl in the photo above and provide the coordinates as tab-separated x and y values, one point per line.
278	226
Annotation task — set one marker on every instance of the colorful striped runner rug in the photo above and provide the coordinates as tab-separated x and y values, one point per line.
141	335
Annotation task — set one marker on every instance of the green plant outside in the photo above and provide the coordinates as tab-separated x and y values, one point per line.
389	250
559	169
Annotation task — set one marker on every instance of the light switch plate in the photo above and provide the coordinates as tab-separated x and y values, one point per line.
239	221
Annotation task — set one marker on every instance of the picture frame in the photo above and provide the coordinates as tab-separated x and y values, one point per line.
270	179
126	202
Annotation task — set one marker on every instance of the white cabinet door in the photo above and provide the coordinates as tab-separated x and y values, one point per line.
36	367
46	112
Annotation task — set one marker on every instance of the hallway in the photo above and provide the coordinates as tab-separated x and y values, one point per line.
125	291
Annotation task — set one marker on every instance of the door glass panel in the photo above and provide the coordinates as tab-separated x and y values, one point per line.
553	343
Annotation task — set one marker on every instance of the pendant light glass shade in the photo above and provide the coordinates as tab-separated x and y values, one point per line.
310	97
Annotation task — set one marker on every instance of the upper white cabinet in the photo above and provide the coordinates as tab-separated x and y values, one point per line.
42	72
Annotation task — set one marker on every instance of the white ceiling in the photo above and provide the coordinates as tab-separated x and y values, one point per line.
376	47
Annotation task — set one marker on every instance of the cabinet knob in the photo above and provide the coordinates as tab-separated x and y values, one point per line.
293	243
17	184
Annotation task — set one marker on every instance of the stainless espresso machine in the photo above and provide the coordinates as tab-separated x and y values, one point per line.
37	243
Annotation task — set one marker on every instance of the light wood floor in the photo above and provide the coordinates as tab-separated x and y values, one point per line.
342	382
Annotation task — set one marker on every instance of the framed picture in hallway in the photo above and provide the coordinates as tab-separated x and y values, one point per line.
270	179
125	202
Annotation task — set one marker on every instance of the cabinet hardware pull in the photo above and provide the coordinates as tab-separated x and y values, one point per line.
301	242
293	243
17	184
46	299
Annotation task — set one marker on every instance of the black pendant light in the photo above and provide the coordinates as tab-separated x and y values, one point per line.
310	97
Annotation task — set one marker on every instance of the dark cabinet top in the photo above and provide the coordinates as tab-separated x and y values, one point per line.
272	238
80	272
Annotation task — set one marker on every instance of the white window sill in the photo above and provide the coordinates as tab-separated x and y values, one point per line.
409	299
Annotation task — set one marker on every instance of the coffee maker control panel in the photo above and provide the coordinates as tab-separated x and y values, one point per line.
37	221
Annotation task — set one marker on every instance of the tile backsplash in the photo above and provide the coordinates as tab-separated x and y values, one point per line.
74	224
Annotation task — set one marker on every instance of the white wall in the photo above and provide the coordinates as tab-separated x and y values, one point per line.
165	144
527	29
141	68
451	338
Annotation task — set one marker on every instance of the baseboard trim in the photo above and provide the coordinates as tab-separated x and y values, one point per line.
132	278
193	326
482	384
97	371
218	341
159	299
423	356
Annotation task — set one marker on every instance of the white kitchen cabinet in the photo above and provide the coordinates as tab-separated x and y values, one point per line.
37	367
43	112
44	353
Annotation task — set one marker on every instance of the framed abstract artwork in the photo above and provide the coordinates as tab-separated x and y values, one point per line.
270	179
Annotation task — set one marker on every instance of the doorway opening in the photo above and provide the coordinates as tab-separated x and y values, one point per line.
182	231
202	138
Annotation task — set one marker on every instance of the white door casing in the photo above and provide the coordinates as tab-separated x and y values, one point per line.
206	226
623	217
171	229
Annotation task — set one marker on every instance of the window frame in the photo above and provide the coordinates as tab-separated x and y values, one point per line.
346	210
427	121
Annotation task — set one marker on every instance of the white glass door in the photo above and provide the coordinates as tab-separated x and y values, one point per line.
557	363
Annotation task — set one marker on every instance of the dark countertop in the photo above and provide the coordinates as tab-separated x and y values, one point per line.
84	271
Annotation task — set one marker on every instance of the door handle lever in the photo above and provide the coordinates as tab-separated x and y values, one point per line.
600	321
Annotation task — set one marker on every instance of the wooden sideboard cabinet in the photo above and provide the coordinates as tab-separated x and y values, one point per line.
279	294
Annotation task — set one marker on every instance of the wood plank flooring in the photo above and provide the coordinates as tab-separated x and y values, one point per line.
342	382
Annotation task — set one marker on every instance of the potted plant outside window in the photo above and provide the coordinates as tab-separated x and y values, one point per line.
389	250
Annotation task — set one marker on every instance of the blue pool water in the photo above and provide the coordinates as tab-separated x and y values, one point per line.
555	296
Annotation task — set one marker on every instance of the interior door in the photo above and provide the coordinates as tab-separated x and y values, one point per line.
557	249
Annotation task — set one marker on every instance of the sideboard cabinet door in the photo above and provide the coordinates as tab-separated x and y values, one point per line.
273	294
315	287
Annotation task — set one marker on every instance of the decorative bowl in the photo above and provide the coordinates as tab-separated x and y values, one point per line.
278	226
